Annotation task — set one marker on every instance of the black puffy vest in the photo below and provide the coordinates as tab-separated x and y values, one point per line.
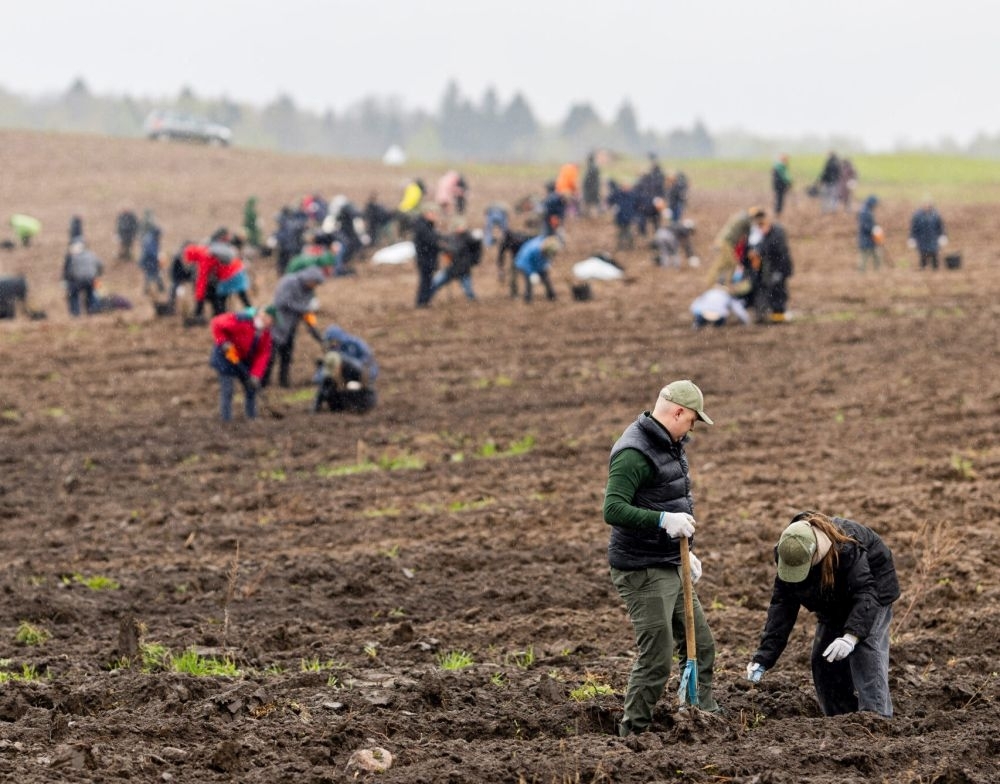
668	490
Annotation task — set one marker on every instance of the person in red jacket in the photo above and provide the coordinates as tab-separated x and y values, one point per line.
242	351
219	272
205	266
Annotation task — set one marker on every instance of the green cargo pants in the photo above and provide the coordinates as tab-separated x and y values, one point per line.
654	599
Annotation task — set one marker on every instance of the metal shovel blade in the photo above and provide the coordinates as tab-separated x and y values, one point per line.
688	691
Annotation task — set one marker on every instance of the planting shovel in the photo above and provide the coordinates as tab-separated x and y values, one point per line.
272	412
688	691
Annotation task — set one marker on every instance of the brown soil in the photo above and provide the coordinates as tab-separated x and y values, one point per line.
879	402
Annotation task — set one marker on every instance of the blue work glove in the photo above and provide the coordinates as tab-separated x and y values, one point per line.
840	648
677	524
755	672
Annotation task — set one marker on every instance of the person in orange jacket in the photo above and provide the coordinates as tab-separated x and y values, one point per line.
242	352
568	186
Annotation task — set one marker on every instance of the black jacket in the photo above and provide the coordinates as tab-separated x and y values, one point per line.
775	257
864	581
465	250
426	243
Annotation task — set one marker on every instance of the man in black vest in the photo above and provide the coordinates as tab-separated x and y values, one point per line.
648	505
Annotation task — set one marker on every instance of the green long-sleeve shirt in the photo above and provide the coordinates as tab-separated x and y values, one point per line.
629	470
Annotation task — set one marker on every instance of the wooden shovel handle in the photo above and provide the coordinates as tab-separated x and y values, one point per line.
688	599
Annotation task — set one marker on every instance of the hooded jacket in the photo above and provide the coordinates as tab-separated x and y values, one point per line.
866	224
293	298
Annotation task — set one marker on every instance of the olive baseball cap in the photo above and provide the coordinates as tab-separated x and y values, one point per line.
685	393
796	549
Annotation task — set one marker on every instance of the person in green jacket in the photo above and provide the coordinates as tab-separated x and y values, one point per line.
649	506
323	253
250	226
781	182
25	228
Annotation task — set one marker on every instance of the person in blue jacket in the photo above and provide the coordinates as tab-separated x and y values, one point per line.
149	254
927	234
869	236
535	258
625	203
843	572
345	376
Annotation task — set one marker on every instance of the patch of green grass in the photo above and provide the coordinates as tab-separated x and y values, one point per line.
489	449
55	412
315	665
455	660
192	663
275	475
94	583
498	679
522	659
28	672
387	511
402	462
155	657
590	688
29	634
962	467
465	506
299	396
11	415
499	381
521	446
328	472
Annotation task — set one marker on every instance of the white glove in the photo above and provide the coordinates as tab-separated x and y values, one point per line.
911	243
695	568
755	672
840	648
677	524
943	240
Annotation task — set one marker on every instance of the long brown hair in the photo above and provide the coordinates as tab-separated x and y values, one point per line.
829	562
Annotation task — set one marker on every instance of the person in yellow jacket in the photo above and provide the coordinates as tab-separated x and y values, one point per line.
413	194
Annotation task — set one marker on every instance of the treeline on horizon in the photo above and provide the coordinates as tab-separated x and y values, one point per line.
460	130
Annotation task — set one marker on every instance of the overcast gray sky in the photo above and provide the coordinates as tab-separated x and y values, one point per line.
878	70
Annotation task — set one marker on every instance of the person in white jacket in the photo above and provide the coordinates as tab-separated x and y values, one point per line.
715	306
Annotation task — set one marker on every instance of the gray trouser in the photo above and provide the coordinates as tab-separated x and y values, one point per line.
859	682
654	599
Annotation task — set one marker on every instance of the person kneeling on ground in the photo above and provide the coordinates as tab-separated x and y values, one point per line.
715	306
843	572
345	376
242	352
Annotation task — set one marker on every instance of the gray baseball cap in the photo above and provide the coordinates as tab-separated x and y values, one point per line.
686	393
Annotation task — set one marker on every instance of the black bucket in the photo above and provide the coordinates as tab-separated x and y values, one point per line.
953	261
12	291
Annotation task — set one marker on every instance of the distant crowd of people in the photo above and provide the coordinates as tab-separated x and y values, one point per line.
315	239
